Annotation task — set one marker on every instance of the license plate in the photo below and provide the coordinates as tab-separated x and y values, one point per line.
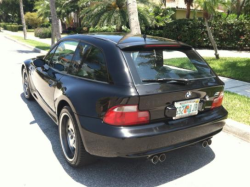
186	108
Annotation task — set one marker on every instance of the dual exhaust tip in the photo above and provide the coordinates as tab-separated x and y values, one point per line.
158	158
206	143
162	157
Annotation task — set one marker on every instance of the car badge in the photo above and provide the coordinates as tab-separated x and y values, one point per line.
188	94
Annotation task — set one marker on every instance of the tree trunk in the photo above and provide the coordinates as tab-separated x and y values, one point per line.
23	20
188	10
52	37
240	7
211	38
134	23
55	23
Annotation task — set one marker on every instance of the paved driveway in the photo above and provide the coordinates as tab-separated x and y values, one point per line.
31	156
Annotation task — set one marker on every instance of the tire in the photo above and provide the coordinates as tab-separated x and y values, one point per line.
26	85
71	142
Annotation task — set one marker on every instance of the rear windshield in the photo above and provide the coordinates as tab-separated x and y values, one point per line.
153	64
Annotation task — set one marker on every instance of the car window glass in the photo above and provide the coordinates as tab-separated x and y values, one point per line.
89	62
164	63
63	55
48	58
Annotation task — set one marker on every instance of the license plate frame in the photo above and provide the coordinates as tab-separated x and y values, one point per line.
186	108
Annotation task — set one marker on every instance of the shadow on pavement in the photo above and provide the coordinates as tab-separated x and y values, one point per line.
121	171
27	51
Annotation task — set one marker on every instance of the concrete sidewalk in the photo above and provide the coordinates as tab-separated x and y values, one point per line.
236	86
224	53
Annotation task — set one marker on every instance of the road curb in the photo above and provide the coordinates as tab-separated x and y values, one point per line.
26	45
237	129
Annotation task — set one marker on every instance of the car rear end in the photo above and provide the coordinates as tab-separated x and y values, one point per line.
180	103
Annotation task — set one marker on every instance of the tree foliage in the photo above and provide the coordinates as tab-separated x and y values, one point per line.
109	12
32	19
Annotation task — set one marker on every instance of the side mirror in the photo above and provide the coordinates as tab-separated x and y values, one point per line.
39	63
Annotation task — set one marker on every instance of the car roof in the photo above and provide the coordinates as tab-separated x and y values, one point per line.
124	40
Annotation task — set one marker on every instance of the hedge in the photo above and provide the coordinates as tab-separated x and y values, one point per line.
43	32
228	35
11	27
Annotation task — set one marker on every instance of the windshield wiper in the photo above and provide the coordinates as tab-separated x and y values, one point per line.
168	80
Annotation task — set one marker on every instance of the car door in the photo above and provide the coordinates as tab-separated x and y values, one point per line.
47	78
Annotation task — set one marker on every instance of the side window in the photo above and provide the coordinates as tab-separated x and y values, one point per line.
63	55
48	58
89	62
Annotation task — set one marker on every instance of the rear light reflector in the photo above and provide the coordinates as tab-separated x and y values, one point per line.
123	115
217	102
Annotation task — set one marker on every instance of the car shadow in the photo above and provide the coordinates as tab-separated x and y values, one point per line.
121	171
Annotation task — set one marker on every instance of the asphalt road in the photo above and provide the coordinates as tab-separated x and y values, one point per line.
31	156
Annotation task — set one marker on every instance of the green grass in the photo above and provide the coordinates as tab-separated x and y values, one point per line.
235	68
180	63
33	43
238	107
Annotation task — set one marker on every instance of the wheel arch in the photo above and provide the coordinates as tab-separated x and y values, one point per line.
65	101
61	102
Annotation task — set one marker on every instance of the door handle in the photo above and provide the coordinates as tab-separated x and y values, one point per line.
52	83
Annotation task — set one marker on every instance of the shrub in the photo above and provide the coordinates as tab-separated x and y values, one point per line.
13	28
228	34
32	19
20	27
43	32
108	29
46	25
4	25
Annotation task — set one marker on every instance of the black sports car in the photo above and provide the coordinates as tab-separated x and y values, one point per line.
125	96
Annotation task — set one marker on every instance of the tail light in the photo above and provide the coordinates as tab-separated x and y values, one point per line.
218	100
123	115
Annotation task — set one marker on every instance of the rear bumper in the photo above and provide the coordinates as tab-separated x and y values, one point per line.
105	140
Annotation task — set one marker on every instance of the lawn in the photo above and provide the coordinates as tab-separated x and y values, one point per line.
238	107
235	68
33	43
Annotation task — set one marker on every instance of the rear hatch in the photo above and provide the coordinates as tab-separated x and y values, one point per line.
172	80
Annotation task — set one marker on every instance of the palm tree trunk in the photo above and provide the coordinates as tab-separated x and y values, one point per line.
188	10
211	38
134	23
23	20
55	23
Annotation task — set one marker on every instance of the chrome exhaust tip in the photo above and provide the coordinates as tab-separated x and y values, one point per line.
162	157
209	142
154	159
204	144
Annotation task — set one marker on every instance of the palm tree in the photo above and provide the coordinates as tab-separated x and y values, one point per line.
112	12
22	17
189	3
42	8
134	23
55	24
209	7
